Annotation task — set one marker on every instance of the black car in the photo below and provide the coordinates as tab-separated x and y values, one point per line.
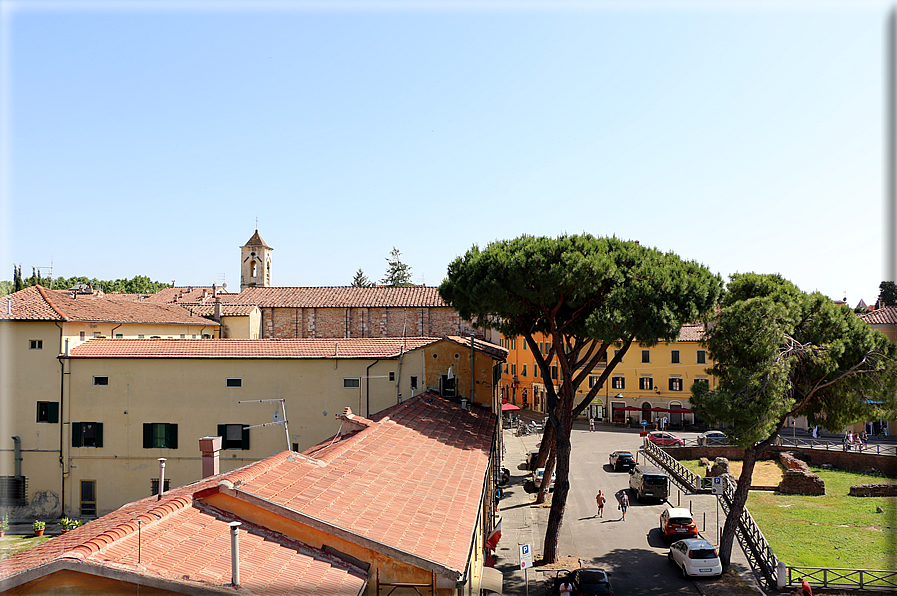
622	460
586	582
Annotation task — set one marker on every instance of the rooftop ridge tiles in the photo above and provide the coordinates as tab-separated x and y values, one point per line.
43	292
247	473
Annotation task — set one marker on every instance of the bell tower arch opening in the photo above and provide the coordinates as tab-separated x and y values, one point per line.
255	263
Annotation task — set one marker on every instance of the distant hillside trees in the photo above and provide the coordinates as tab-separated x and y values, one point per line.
139	284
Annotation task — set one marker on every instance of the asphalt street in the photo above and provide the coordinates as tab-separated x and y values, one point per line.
633	551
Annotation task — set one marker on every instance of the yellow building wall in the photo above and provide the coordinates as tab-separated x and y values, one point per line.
71	583
72	331
242	327
444	354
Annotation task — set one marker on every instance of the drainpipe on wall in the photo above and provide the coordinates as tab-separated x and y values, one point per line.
367	388
399	374
62	418
17	449
471	367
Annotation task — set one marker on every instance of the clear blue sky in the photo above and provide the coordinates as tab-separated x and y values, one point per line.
146	138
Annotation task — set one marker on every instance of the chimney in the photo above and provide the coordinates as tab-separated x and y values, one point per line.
161	478
217	312
235	553
8	306
210	448
205	294
214	290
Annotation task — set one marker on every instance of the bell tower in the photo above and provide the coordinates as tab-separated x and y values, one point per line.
255	263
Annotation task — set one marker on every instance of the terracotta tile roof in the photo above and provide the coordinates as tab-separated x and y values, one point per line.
369	347
37	303
692	332
886	315
256	240
411	479
344	297
496	351
189	294
186	543
227	310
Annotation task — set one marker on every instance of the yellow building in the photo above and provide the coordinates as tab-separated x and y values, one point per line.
658	377
124	403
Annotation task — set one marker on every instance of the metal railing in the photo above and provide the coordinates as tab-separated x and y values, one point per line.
754	544
688	480
830	445
856	579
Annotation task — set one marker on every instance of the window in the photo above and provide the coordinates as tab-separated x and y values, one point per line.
674	356
702	356
160	435
48	411
703	380
183	336
296	447
36	344
392	376
140	336
81	336
119	336
234	436
592	380
513	343
87	434
542	346
675	384
554	372
618	383
524	345
506	368
646	383
547	347
101	380
523	371
513	369
646	356
233	383
154	485
96	333
88	498
206	336
414	382
351	383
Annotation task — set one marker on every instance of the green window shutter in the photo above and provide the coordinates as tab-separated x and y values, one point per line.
99	434
76	434
222	432
172	436
147	435
245	438
53	412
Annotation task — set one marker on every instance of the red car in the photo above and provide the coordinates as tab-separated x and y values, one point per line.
678	523
665	439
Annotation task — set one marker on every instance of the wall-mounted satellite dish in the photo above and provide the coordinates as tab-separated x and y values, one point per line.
224	286
277	417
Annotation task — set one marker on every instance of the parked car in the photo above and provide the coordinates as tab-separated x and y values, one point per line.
649	482
585	582
622	460
713	437
696	558
537	478
678	523
665	439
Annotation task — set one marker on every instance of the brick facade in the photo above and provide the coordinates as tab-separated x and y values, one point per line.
798	479
289	323
873	490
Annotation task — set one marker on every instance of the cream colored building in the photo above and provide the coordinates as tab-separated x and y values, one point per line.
123	404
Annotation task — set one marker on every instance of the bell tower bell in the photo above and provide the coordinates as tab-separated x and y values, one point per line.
255	263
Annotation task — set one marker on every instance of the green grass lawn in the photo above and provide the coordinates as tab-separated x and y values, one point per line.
13	544
833	530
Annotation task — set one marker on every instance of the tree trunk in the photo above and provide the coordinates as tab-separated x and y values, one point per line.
738	502
546	478
546	446
559	501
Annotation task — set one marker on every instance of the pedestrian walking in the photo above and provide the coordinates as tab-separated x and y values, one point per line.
591	424
599	498
624	504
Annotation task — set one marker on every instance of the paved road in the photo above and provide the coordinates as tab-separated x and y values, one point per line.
632	550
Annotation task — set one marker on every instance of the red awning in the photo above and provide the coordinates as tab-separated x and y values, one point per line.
508	407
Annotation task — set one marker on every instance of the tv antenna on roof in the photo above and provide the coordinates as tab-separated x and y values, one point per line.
278	419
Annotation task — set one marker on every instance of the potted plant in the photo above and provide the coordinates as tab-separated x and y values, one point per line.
66	524
4	524
38	527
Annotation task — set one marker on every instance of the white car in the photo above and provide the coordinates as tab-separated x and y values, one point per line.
696	558
537	478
